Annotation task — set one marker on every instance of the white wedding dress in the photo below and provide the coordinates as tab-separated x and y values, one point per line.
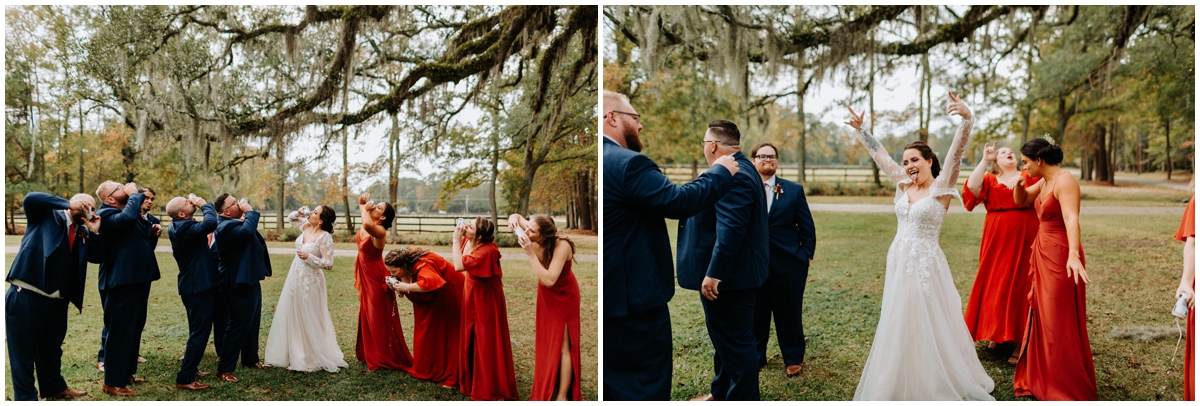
302	336
922	349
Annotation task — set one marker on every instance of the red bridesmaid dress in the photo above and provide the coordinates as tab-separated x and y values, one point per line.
485	368
1056	357
557	315
999	300
380	336
1187	228
437	318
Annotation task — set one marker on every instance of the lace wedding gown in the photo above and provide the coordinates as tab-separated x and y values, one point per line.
922	349
302	336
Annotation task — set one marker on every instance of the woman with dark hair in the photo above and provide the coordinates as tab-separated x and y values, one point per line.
556	363
1187	287
380	341
922	349
302	336
998	303
1055	362
485	367
435	290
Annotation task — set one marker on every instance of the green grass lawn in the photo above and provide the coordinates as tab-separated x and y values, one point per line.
1132	260
166	332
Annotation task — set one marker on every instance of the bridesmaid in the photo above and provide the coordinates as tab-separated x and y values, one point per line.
1187	285
1055	362
485	368
380	337
435	290
556	365
999	301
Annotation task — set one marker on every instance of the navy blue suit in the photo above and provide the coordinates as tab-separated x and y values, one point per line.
197	288
124	280
638	274
148	222
729	242
793	242
242	262
36	325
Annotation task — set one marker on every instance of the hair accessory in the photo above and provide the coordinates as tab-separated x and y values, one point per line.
1046	137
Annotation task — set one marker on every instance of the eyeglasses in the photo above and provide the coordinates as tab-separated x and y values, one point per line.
636	117
767	157
114	192
705	142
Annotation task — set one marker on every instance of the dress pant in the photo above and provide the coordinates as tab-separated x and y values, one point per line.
104	331
205	314
637	356
35	327
730	321
782	297
125	314
243	303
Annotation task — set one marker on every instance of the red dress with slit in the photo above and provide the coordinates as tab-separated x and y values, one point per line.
485	368
1187	228
436	320
380	341
1056	357
557	315
999	300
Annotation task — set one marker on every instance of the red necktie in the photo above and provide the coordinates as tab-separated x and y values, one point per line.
210	237
71	237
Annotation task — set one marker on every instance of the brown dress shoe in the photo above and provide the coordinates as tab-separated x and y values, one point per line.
203	374
793	370
133	379
193	386
261	365
707	397
227	377
68	394
100	366
117	391
141	360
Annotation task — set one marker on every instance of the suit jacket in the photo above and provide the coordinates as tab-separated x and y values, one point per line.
793	236
45	259
129	257
638	274
729	241
241	252
189	245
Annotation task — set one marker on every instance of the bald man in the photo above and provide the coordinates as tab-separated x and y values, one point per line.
47	274
639	276
191	246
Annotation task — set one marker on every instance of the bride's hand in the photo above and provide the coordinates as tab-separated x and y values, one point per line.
302	254
856	120
362	199
957	107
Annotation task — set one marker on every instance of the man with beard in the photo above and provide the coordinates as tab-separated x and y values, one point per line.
156	230
124	280
638	274
48	274
793	242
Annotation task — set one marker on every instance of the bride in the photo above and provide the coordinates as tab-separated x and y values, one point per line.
922	349
302	336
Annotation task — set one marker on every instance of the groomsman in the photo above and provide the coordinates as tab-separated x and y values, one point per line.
190	241
793	241
241	263
48	273
128	268
638	275
723	252
156	230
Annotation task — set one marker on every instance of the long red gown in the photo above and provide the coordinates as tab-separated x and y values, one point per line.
1187	228
380	336
999	299
557	313
1056	357
485	368
437	320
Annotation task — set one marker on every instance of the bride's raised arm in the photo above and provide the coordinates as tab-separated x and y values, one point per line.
888	165
953	162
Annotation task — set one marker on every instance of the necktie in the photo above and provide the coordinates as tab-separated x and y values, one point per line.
210	238
71	236
767	189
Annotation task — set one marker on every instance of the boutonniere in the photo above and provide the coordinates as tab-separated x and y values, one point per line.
778	190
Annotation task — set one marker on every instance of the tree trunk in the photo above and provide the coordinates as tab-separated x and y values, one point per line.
1167	126
81	147
584	202
495	171
346	179
695	168
283	172
923	105
1101	155
871	96
801	88
394	172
